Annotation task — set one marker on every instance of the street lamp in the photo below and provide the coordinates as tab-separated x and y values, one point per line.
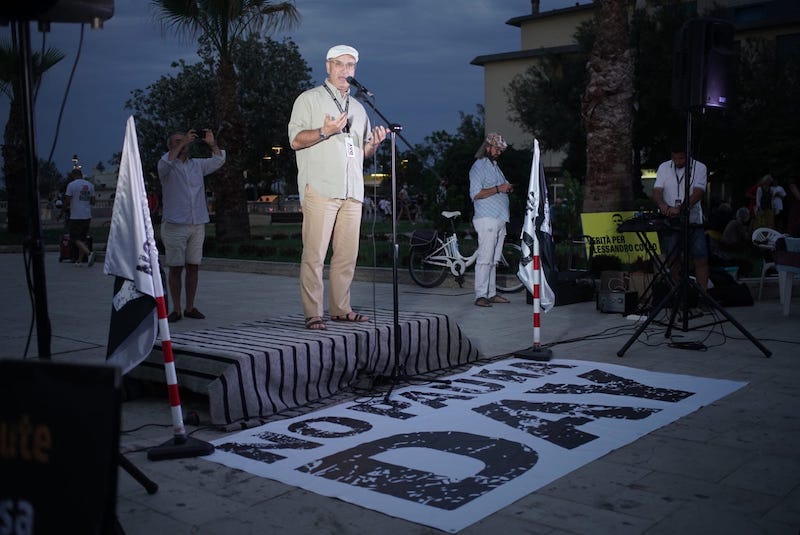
75	163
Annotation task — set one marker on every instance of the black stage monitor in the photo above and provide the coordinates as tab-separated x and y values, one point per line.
59	447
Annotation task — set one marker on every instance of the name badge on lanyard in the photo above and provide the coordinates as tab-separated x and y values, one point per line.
349	146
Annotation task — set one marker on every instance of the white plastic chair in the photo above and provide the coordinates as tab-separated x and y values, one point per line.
787	262
764	238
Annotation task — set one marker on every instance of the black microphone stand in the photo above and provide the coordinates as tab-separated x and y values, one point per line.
35	241
394	130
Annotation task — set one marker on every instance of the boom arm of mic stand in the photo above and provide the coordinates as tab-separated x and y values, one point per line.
393	127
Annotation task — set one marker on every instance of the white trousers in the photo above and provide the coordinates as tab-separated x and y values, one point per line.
491	235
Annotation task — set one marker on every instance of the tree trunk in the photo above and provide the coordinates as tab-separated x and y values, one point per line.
231	217
17	186
607	110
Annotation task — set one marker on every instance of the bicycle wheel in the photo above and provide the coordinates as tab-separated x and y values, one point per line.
422	272
507	280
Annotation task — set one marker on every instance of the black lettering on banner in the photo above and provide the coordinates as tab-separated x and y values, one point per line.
485	387
356	427
506	376
383	407
562	432
541	368
608	383
272	441
433	400
503	461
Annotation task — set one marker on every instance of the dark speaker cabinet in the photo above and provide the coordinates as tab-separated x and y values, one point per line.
704	65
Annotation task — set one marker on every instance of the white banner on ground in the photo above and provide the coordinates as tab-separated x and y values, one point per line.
448	455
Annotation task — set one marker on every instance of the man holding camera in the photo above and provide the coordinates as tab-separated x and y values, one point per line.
185	214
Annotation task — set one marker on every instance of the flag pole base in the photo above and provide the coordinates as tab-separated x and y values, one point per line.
180	448
535	353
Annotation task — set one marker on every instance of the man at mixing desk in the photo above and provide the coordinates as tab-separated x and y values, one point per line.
668	193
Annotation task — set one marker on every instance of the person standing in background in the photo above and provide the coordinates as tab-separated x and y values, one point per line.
185	214
78	200
764	217
793	208
669	191
489	189
778	195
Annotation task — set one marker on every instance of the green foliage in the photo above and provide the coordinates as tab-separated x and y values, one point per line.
546	101
443	163
184	100
655	122
14	143
565	213
225	22
9	66
755	135
174	103
765	118
221	25
266	99
50	179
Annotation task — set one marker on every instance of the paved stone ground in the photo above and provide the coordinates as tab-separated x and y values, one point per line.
731	467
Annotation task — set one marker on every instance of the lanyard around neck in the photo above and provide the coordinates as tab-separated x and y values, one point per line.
344	110
679	179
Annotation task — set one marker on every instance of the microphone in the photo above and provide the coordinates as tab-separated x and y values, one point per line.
355	83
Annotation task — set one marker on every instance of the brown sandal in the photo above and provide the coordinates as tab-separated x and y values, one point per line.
352	317
315	324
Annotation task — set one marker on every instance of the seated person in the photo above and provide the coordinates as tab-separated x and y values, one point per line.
735	245
736	236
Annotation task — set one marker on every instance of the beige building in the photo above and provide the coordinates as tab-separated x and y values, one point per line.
547	33
541	34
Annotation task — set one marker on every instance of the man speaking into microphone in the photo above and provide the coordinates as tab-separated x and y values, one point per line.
331	135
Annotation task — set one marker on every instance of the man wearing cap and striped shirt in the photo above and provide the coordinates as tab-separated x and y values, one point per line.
489	191
331	135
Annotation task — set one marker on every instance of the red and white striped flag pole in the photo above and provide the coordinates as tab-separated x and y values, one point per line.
169	360
180	446
536	225
537	296
132	257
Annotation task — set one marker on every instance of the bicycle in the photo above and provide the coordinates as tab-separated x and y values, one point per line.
433	256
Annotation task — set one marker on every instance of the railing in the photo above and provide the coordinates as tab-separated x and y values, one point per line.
102	209
257	207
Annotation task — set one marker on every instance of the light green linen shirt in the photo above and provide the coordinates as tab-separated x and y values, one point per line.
325	165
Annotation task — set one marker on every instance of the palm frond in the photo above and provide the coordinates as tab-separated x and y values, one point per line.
224	21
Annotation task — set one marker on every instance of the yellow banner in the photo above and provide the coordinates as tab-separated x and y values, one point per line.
602	228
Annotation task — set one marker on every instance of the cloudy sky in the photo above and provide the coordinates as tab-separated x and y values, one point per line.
415	58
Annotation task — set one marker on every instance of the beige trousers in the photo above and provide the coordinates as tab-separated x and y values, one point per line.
326	220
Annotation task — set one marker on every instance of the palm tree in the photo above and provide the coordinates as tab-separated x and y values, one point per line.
223	23
13	150
607	110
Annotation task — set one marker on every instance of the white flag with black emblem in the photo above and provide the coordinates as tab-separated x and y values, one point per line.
537	236
134	321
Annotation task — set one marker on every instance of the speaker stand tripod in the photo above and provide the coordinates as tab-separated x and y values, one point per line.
679	293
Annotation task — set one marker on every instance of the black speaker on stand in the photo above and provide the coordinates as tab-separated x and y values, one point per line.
704	65
702	78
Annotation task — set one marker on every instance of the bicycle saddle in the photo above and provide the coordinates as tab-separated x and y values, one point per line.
450	215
